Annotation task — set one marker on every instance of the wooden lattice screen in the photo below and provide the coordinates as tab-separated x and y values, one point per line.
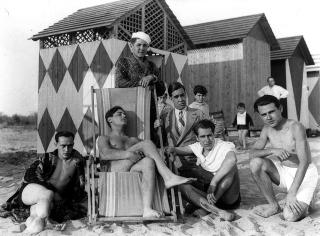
150	18
154	24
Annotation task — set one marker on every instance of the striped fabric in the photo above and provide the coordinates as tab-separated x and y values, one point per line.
136	103
120	192
120	195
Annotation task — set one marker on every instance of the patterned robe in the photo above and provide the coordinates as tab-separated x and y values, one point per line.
40	172
129	71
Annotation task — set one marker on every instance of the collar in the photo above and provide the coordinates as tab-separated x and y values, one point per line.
176	111
213	146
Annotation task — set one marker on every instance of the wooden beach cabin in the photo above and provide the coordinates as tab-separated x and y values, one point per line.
232	59
313	78
82	49
288	67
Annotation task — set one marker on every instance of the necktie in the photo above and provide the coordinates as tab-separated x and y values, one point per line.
181	121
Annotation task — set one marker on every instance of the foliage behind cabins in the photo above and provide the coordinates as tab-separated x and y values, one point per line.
18	120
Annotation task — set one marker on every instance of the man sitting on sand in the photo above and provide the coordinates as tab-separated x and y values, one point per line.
131	154
218	158
52	179
287	163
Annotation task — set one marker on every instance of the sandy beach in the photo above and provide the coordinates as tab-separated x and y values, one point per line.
18	150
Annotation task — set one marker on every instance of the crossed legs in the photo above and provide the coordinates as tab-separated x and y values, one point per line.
150	150
227	193
265	173
40	199
147	167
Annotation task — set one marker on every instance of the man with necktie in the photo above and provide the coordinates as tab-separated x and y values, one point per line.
177	125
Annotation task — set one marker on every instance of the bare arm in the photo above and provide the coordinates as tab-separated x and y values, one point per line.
183	151
304	156
228	163
258	150
109	153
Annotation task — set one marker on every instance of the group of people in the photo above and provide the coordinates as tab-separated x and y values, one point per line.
208	176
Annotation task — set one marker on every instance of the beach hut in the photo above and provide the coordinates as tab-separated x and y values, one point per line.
288	67
81	51
232	59
313	78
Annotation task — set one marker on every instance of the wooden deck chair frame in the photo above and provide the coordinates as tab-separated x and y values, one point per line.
144	96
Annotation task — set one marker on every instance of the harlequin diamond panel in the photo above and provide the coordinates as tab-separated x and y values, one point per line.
85	130
184	73
171	72
42	72
101	65
66	123
62	104
46	129
78	68
57	70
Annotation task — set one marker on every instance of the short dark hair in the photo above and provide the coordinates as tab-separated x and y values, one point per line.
111	112
241	104
265	100
200	89
175	86
63	134
203	124
270	77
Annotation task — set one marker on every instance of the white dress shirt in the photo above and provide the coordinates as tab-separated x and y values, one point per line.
275	90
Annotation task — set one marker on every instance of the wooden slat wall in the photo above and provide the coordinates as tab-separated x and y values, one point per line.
219	69
256	69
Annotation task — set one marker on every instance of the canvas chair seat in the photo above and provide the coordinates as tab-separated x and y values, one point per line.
119	193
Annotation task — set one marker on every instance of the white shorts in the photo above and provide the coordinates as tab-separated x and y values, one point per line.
308	185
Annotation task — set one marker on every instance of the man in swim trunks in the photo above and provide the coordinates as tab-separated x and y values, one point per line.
54	178
286	163
131	154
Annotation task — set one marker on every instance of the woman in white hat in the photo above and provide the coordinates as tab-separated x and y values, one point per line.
135	70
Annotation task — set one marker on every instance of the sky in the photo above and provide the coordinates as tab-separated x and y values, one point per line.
22	19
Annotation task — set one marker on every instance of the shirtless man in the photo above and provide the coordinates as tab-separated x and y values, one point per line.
131	154
286	163
52	178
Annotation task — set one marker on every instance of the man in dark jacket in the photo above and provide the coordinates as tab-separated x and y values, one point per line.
53	179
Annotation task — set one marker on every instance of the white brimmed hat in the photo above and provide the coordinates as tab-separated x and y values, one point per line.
142	35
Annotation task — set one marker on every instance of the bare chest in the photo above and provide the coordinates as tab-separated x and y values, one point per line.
283	139
120	143
63	174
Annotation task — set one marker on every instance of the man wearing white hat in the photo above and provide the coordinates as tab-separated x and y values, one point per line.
135	70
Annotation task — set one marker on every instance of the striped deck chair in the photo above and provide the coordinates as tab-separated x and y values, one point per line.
116	196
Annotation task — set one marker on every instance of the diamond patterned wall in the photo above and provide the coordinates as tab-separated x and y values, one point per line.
66	75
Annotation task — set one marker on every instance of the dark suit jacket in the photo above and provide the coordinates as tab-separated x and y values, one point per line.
170	127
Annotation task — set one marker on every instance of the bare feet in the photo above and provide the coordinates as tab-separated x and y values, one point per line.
267	210
177	180
213	209
34	225
148	212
